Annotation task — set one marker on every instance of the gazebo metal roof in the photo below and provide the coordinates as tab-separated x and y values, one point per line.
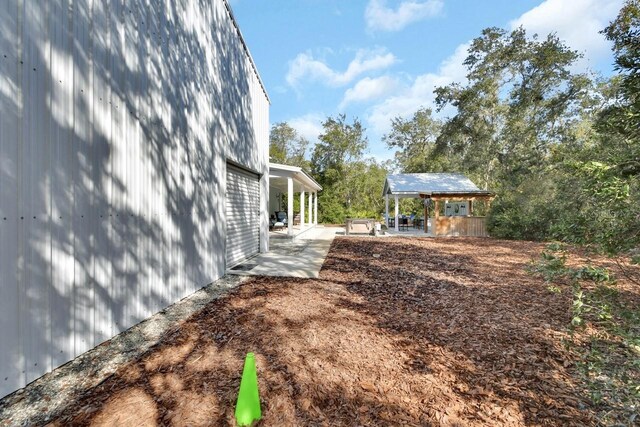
416	184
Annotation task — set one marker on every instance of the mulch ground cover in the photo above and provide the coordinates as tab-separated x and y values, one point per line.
394	332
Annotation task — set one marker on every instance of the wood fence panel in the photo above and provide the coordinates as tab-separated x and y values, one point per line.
461	226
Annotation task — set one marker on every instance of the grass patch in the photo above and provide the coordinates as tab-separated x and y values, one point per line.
606	331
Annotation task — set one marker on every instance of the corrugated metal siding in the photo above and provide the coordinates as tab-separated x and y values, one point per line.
243	214
116	120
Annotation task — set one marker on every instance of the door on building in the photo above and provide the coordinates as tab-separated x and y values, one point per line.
243	214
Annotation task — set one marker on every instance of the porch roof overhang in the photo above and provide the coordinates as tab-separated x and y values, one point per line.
279	175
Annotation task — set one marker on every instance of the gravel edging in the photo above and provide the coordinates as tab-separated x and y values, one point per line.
45	398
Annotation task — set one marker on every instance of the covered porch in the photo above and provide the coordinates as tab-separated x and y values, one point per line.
288	184
452	194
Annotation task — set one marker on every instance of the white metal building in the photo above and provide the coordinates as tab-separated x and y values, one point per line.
133	168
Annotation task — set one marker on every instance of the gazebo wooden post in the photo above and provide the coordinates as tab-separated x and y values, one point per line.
436	212
397	208
386	210
426	214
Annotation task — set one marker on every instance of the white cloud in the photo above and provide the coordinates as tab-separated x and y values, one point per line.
419	93
577	22
369	89
382	18
309	125
305	66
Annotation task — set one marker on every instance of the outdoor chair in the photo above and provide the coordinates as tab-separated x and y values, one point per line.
418	222
275	224
403	224
278	221
281	216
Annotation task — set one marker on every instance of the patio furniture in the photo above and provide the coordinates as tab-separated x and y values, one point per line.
278	222
281	216
274	224
403	224
370	224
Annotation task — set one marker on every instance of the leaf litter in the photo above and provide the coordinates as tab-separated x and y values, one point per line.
430	332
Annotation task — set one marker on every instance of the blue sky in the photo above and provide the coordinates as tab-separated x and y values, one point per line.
379	59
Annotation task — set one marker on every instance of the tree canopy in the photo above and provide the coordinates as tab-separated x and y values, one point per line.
286	146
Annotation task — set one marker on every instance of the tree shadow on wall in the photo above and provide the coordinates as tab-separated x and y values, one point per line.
114	143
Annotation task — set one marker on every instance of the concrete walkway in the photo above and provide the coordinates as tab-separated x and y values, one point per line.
299	257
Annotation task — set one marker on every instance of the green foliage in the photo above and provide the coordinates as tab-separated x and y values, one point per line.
552	266
601	206
594	274
552	263
610	360
415	140
340	144
519	101
351	184
623	117
554	289
286	146
357	195
599	180
524	213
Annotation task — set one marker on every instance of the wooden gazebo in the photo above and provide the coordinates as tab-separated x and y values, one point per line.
455	190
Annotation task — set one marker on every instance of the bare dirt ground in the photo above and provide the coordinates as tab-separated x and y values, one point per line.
394	332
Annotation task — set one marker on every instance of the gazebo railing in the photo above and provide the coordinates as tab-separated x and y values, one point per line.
472	226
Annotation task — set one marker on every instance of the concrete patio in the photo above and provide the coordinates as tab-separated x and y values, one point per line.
302	256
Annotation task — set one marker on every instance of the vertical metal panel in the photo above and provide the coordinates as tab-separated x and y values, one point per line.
34	197
118	162
102	161
128	147
146	252
85	219
61	133
154	128
10	117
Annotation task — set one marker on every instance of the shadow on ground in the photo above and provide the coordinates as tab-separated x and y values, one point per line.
395	331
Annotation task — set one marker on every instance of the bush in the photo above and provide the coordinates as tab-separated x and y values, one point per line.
511	218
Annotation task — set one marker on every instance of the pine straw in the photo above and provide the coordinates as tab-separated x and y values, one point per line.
394	332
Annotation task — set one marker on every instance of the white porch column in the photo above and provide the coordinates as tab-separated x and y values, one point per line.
302	208
310	208
315	208
396	221
290	206
386	210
